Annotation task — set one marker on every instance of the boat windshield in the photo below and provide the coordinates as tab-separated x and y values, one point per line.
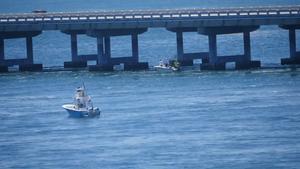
80	92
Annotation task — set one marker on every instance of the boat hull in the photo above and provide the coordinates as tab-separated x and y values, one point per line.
80	113
165	69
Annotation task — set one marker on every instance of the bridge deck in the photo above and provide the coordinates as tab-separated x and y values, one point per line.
151	18
271	10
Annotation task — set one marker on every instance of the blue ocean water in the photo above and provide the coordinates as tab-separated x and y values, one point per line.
191	119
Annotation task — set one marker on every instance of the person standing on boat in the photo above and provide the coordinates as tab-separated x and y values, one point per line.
161	63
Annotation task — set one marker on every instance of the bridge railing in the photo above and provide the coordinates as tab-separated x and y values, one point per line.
150	15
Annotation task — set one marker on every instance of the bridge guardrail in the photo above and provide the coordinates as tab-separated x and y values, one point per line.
149	15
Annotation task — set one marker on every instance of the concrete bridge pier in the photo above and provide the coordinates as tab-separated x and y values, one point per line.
246	62
77	61
104	60
294	54
3	67
216	62
25	64
186	59
134	63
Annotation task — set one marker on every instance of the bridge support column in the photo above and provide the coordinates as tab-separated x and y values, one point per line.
246	62
104	60
3	67
213	63
25	64
135	47
29	48
219	62
107	48
74	48
76	62
100	50
103	55
1	49
186	59
135	64
179	40
28	65
294	54
180	50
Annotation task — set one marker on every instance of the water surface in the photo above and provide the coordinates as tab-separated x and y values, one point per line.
191	119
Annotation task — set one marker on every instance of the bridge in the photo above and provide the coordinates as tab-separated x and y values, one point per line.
102	25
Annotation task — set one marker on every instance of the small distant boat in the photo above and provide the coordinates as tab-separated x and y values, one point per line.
82	105
166	67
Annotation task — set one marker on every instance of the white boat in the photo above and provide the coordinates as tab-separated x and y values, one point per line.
82	105
165	67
